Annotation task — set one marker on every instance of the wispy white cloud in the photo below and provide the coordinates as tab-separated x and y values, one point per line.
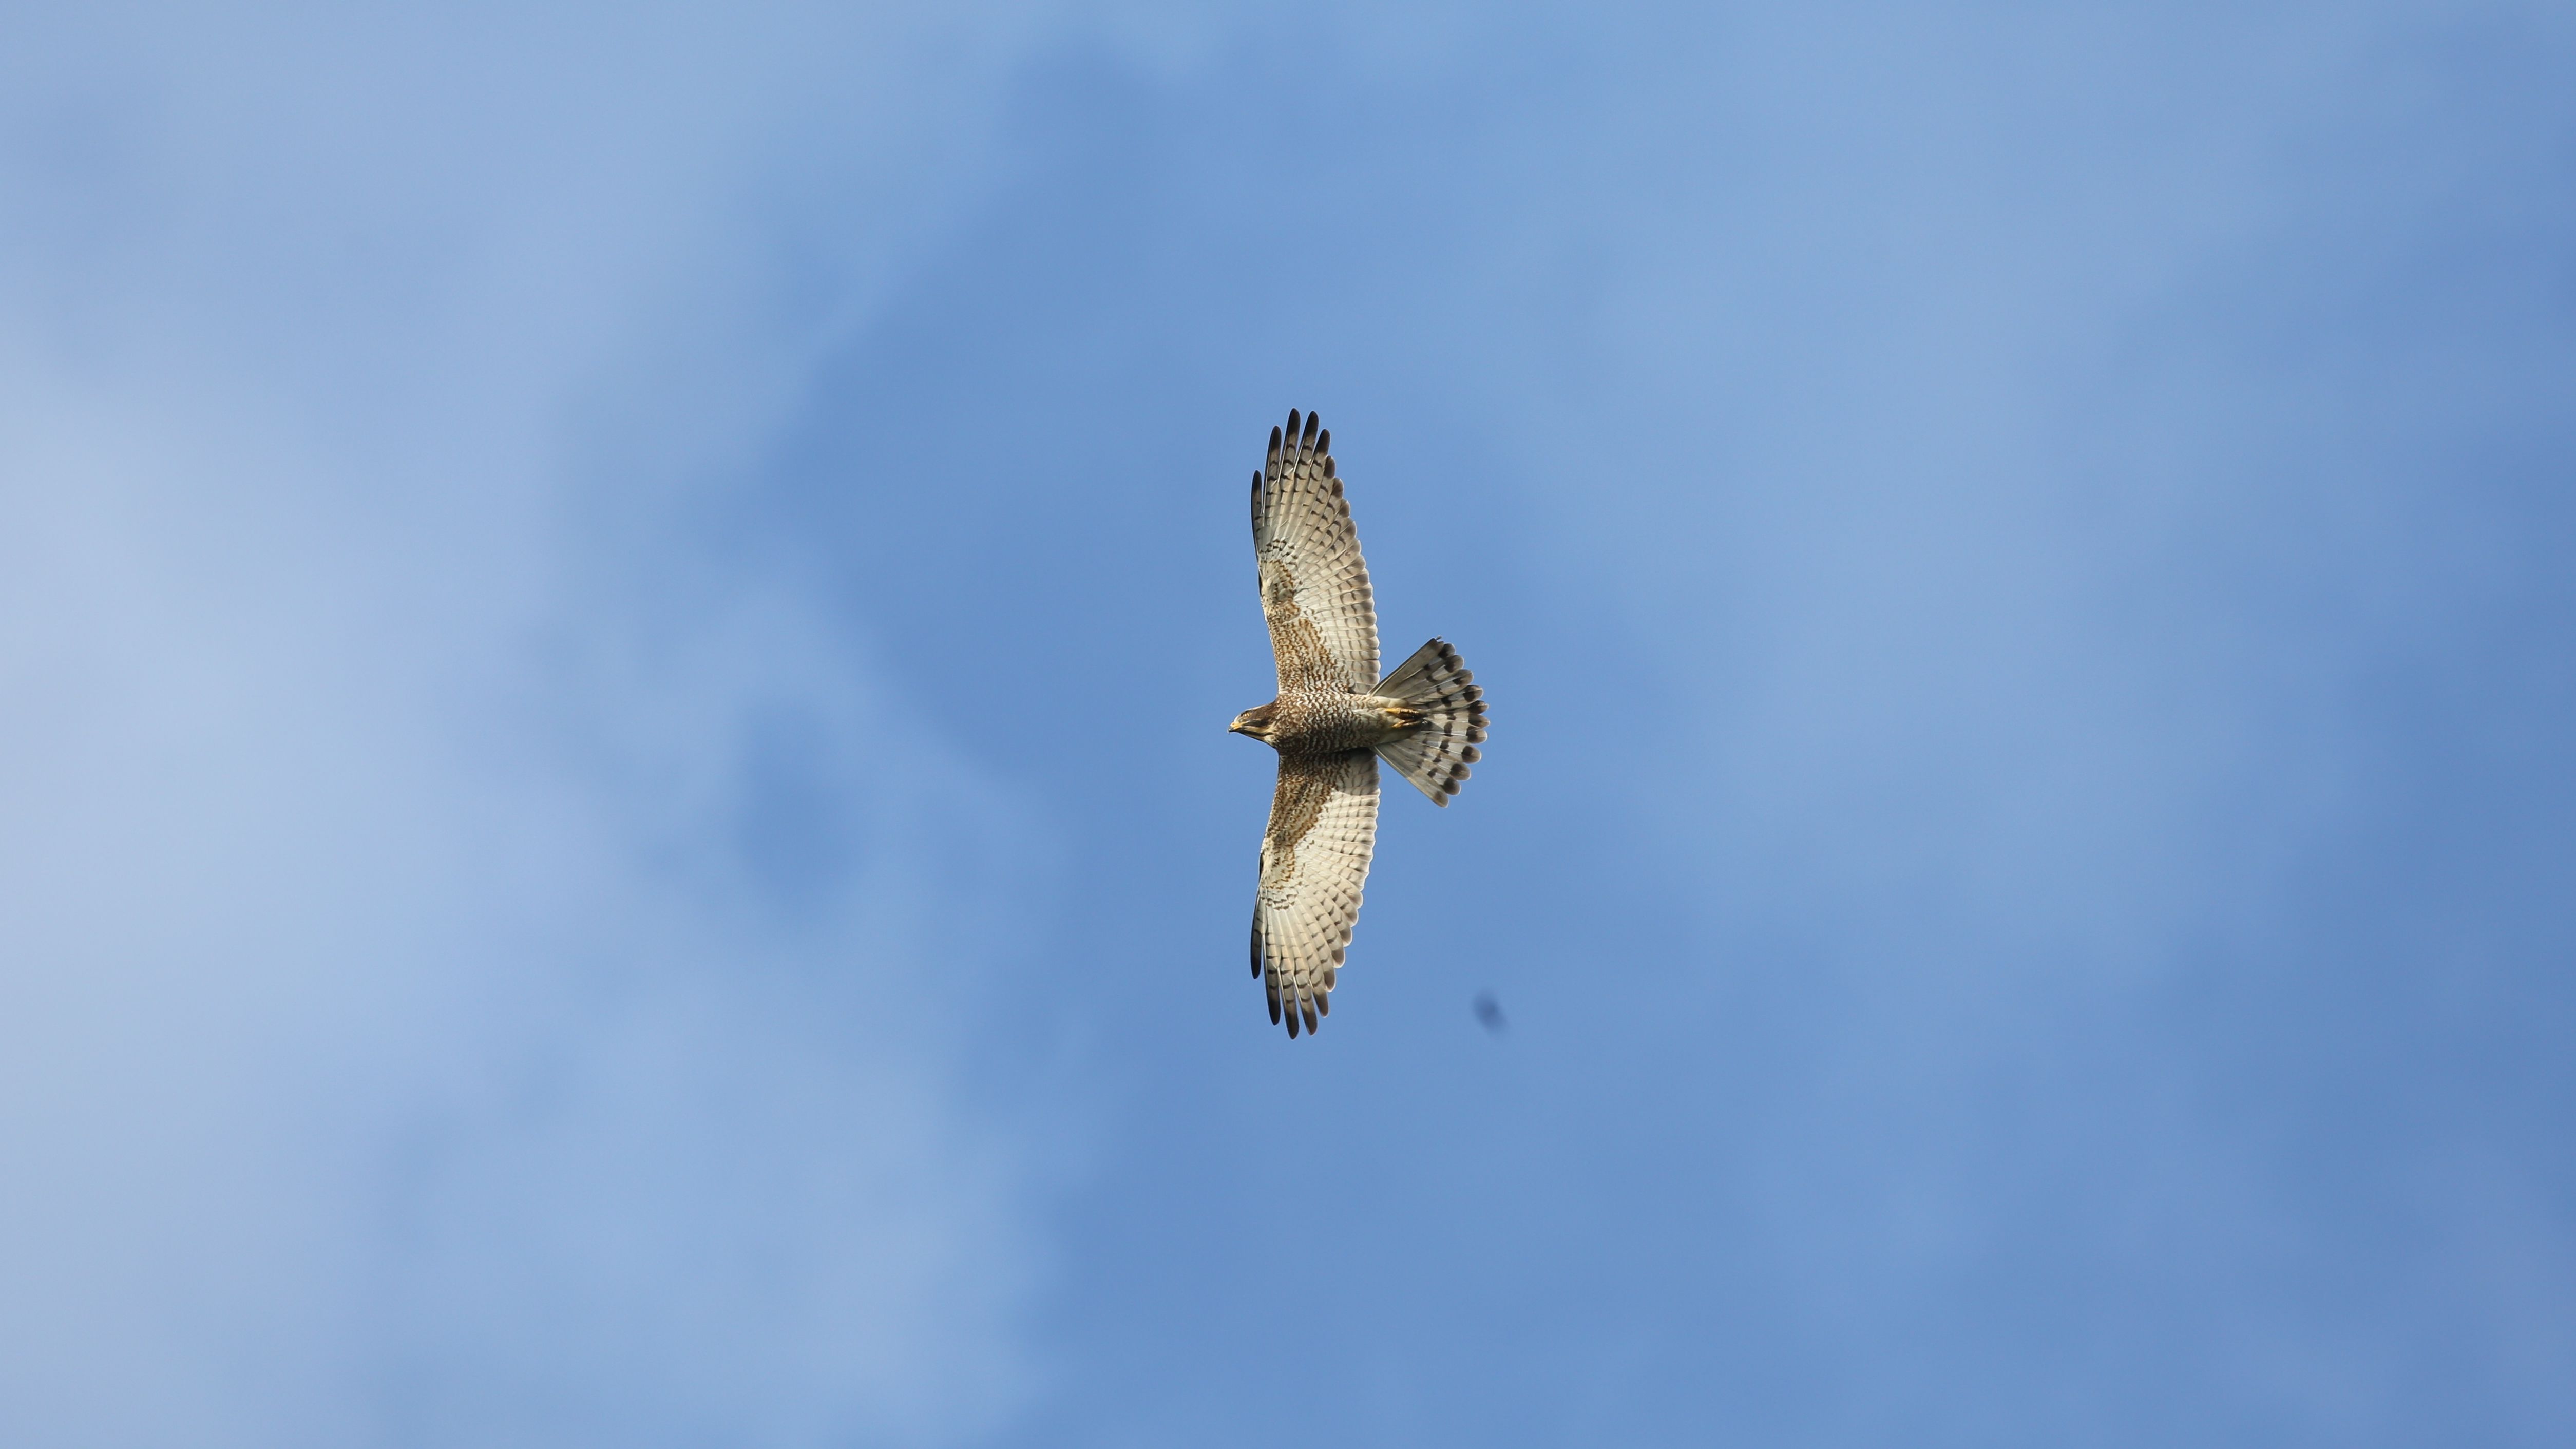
414	1029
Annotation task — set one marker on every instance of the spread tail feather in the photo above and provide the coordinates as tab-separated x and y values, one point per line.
1436	756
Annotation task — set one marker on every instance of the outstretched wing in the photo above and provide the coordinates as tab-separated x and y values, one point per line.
1314	588
1314	860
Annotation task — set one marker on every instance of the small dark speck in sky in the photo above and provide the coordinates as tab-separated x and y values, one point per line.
1490	1012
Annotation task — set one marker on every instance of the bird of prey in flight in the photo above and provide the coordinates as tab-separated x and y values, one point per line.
1333	720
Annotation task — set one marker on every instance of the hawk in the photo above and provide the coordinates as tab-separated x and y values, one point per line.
1332	722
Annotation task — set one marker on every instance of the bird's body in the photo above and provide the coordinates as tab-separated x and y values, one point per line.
1332	721
1311	722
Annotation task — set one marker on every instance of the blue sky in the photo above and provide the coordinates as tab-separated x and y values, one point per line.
615	631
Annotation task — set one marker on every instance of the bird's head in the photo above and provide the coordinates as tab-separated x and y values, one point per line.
1255	722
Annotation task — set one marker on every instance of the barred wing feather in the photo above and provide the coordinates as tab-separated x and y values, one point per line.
1314	586
1314	862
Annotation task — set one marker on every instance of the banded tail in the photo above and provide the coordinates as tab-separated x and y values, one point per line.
1435	757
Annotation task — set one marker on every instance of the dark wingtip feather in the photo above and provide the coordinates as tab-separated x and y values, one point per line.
1312	420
